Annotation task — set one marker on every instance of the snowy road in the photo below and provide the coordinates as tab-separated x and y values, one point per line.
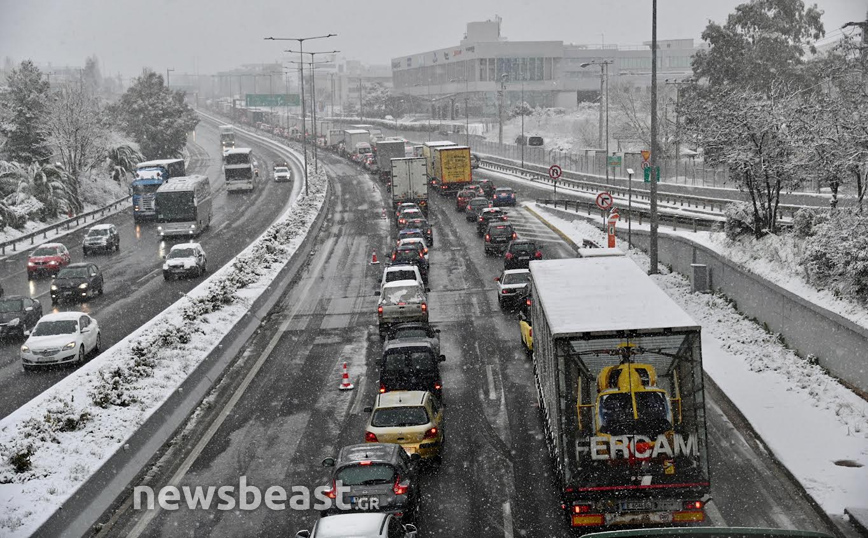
134	287
495	480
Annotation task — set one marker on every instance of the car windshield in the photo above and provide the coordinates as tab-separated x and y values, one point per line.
98	232
402	294
409	332
515	278
362	474
182	253
73	272
399	416
523	248
501	230
52	328
403	274
404	359
281	170
617	414
503	191
11	305
406	255
45	251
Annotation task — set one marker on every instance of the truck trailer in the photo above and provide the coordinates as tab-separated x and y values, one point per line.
409	182
452	170
352	137
428	153
618	371
386	151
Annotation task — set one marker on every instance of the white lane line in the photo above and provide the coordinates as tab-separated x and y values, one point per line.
714	514
507	520
150	275
149	515
492	393
360	395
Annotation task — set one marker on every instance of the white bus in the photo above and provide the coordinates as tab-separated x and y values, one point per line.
183	206
240	169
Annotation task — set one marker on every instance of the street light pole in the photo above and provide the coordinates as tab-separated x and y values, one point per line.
604	94
167	77
652	191
629	208
313	91
503	78
301	41
523	141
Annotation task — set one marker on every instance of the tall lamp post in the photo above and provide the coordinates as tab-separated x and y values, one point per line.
604	82
313	91
652	191
503	78
301	41
167	77
677	84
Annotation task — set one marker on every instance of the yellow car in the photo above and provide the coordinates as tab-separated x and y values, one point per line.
525	323
410	418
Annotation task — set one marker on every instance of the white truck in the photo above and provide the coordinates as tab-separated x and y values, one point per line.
409	182
618	371
386	151
334	137
353	137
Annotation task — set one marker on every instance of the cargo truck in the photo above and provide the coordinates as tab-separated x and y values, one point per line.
227	137
386	151
353	137
149	176
618	371
334	137
409	182
452	170
428	153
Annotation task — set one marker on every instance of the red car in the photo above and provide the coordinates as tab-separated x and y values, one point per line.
48	258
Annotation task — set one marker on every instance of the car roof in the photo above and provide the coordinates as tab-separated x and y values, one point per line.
355	524
387	452
102	227
62	316
179	246
515	271
503	189
492	209
51	245
407	231
401	398
402	267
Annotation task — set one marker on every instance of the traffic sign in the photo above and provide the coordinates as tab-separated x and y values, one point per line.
266	99
645	165
614	160
555	171
604	200
646	154
648	174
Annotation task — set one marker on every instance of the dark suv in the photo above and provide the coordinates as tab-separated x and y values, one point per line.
497	237
520	252
407	254
487	186
17	315
411	366
77	281
488	216
101	237
374	471
474	206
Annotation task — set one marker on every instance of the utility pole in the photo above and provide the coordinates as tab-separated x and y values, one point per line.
167	77
360	96
652	191
500	108
313	91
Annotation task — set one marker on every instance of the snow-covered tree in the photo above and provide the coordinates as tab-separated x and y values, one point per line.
121	161
21	111
156	117
630	112
91	75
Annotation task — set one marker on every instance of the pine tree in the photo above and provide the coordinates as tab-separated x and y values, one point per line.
22	111
156	117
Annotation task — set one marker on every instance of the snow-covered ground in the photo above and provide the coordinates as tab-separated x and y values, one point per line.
64	435
816	427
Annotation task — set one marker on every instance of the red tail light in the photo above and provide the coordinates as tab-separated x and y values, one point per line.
380	311
581	508
382	388
514	235
538	255
509	255
480	219
438	386
693	505
394	255
424	307
421	256
332	492
431	434
400	488
504	292
488	238
370	437
530	332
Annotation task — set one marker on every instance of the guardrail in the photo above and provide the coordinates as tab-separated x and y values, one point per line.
576	181
691	223
66	225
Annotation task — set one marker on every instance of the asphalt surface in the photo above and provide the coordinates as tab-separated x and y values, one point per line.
495	479
134	287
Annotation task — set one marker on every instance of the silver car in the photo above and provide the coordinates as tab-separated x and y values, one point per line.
365	525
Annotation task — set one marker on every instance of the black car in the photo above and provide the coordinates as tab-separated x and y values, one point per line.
374	471
103	237
407	254
18	314
77	281
425	226
497	237
411	366
520	252
488	216
474	206
487	186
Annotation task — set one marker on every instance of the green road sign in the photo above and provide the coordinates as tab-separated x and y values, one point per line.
614	160
267	99
648	174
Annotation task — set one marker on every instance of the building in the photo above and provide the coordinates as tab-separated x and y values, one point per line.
548	73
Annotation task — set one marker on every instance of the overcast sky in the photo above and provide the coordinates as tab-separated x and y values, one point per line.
212	35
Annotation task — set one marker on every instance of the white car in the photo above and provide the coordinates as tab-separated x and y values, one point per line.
362	525
512	286
185	259
401	272
282	173
60	338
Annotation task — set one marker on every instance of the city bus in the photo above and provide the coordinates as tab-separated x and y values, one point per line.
183	206
149	176
240	169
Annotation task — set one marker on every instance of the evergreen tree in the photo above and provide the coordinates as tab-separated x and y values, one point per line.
156	117
22	111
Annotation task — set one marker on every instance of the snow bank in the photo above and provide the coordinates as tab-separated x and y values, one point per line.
53	444
816	427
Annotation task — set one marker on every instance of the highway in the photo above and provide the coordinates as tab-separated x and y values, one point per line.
134	287
496	478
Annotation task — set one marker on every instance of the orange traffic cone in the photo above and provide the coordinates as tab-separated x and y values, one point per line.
345	380
374	260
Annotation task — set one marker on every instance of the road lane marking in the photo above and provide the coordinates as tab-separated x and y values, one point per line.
492	393
150	275
714	514
507	520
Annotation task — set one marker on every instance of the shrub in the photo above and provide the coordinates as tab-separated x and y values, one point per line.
807	219
836	256
739	220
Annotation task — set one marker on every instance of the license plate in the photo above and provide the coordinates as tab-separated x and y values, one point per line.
524	257
356	500
635	506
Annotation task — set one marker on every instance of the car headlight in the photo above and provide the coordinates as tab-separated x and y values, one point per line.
192	226
14	322
30	264
159	228
70	345
24	349
165	267
54	287
82	286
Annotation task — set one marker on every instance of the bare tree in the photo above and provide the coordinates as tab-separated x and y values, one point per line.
631	113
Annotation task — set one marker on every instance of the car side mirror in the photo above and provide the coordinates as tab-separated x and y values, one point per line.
415	458
302	534
27	333
437	331
85	330
369	409
164	256
410	530
442	358
328	462
497	279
